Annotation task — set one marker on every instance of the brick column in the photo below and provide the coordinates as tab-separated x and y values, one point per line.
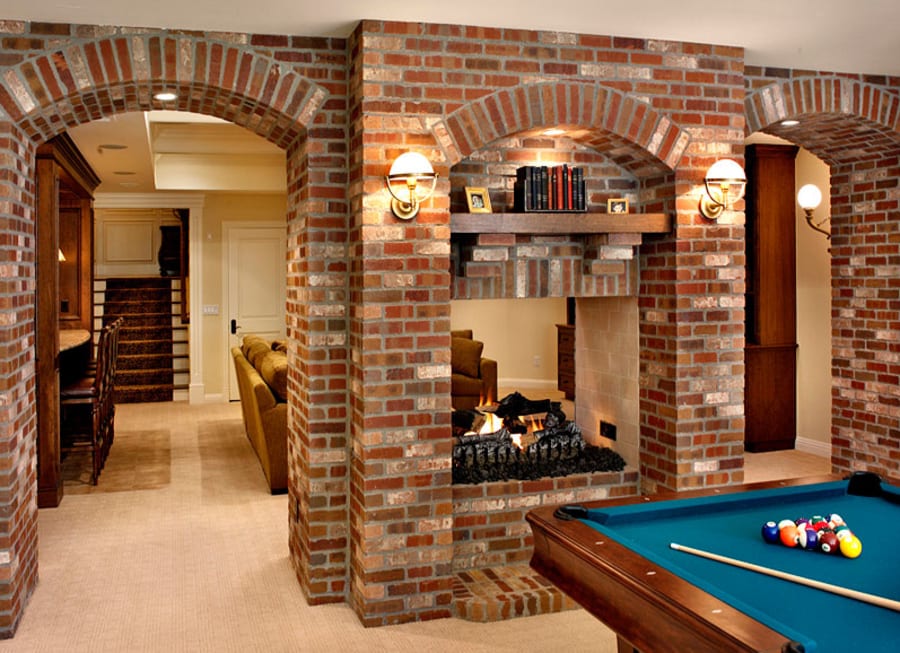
18	424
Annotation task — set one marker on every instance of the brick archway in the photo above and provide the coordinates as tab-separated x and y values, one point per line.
854	126
67	75
52	91
815	95
652	139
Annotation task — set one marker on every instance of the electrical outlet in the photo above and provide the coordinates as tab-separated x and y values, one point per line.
607	430
537	361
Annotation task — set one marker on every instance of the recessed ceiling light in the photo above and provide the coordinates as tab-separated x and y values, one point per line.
124	172
165	96
113	146
790	123
556	131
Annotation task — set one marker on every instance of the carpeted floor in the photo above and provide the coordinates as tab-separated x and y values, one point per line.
181	548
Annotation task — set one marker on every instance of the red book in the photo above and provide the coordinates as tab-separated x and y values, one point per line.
560	203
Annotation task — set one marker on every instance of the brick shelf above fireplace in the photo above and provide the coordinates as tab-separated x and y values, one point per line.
516	255
559	223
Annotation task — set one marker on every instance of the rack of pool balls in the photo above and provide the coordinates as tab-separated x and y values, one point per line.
829	534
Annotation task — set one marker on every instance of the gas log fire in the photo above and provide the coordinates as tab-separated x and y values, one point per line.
525	440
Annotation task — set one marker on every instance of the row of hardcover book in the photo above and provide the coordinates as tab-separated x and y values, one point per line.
549	188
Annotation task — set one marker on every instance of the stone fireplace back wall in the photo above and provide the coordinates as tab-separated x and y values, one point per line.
606	373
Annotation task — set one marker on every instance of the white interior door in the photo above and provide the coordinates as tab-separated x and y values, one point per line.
256	293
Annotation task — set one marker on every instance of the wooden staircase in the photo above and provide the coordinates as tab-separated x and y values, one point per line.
152	358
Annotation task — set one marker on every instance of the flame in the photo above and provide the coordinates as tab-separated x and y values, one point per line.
492	424
536	424
517	439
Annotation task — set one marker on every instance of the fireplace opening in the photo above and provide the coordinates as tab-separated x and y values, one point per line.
523	439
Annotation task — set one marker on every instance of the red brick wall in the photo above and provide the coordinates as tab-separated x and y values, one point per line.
852	123
489	527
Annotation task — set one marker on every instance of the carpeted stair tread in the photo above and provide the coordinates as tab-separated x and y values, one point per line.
143	394
143	376
130	306
137	347
143	321
146	361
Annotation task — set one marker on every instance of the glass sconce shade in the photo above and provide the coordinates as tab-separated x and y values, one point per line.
403	183
724	184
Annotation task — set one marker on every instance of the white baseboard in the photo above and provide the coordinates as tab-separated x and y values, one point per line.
816	447
527	384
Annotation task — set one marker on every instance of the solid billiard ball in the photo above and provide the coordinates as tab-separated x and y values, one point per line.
851	547
828	542
785	522
770	532
788	535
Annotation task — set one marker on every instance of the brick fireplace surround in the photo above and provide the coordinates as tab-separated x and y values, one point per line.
374	520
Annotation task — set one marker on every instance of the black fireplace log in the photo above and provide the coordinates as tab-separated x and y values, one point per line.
559	451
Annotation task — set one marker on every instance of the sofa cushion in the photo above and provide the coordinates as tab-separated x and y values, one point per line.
461	333
253	347
465	356
279	345
273	368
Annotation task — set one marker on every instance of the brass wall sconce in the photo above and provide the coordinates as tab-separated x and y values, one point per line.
724	184
407	182
809	197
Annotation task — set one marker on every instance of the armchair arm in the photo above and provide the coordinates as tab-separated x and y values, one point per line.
488	373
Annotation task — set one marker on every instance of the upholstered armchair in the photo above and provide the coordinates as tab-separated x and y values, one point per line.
473	379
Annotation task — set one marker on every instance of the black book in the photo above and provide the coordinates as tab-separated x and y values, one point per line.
545	188
522	195
578	189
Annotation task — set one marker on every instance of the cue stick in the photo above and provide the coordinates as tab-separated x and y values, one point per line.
874	599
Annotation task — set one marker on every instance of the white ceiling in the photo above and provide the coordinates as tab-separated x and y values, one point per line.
833	35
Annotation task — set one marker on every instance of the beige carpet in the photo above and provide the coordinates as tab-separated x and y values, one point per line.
181	548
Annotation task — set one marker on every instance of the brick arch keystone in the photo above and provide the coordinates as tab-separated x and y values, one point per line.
587	105
91	79
800	96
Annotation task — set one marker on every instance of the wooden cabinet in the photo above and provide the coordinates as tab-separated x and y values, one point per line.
771	326
64	185
565	359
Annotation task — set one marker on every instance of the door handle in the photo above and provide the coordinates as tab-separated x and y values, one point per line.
234	327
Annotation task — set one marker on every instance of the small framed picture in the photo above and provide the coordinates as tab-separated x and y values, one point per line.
617	205
478	199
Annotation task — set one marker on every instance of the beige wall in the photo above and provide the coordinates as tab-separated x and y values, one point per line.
813	315
514	332
219	208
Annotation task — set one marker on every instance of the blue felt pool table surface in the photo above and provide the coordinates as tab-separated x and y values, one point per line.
730	525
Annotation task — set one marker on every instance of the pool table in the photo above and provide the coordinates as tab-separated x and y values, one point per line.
614	558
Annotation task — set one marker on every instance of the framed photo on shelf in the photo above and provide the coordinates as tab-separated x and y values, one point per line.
617	205
478	199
